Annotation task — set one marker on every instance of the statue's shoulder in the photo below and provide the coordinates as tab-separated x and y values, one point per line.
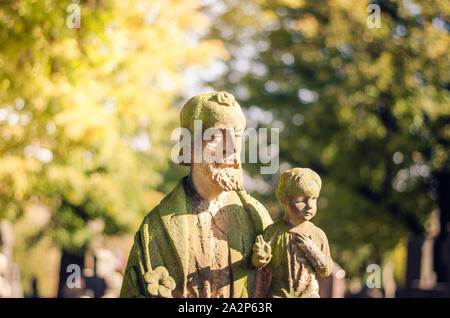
278	225
247	199
175	200
275	229
319	233
255	208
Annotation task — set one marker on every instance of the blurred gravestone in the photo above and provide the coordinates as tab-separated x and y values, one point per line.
34	293
413	262
71	282
5	288
424	259
446	258
9	273
104	280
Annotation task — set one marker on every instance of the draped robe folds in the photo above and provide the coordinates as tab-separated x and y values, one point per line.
289	273
167	237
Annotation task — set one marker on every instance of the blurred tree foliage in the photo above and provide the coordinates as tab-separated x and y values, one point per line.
368	108
86	113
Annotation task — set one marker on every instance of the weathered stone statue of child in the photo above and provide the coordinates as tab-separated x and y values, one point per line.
292	251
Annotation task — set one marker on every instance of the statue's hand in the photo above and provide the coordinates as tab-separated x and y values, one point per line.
304	242
159	283
262	253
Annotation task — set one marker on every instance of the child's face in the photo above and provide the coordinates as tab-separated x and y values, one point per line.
301	208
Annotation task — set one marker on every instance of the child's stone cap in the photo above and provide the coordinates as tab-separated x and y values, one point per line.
298	181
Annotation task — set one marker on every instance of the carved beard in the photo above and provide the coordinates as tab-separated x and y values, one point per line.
227	177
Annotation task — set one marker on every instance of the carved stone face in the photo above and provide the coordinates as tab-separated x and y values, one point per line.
221	161
301	208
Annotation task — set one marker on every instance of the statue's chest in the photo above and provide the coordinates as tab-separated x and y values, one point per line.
210	232
209	266
222	234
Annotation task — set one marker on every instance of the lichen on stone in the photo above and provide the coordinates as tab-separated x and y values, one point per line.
159	283
296	182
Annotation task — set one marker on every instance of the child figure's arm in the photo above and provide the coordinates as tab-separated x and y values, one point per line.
319	257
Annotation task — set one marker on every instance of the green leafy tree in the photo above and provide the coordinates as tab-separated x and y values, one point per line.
367	108
86	108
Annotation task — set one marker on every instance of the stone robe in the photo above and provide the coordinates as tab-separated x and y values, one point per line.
290	273
208	255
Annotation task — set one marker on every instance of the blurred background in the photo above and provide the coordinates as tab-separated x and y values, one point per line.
90	92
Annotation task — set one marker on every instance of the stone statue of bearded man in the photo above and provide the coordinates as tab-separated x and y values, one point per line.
198	241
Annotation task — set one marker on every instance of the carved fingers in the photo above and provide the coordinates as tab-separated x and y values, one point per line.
262	252
304	242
